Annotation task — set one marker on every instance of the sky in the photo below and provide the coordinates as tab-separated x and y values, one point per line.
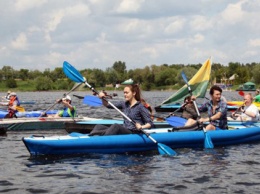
41	34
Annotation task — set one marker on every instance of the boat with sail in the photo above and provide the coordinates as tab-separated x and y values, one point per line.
199	84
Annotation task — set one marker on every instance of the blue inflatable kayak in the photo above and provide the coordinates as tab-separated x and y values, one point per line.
27	113
77	143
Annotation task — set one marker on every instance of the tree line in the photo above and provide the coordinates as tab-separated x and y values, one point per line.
150	77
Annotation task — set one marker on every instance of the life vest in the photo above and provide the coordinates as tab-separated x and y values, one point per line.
12	100
66	112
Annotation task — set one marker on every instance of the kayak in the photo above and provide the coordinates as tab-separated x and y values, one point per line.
77	143
240	103
28	113
38	123
88	125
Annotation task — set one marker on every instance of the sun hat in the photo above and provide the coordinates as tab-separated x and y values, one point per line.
67	98
12	94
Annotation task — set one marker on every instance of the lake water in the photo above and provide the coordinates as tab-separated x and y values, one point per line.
232	169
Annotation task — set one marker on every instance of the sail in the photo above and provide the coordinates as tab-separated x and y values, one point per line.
198	83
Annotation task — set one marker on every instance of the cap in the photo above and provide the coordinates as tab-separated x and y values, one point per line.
8	92
67	98
12	94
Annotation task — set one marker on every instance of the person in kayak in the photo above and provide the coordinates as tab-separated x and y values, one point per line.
248	111
188	109
216	109
67	111
13	106
133	108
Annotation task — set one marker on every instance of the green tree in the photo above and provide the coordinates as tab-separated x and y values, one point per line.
120	68
111	76
7	72
256	73
11	83
99	77
24	74
43	83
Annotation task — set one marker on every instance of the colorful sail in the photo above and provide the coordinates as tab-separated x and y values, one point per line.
199	84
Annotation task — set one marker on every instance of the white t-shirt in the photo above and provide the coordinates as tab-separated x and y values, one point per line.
252	108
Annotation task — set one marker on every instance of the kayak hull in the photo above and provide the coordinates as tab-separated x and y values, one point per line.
87	125
39	123
76	143
27	113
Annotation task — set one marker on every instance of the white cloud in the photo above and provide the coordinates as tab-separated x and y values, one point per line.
200	23
254	42
20	43
131	6
24	5
175	26
233	13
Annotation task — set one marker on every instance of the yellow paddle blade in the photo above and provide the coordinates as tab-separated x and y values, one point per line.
20	109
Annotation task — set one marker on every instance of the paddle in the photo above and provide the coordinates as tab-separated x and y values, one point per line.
74	75
207	141
74	88
20	109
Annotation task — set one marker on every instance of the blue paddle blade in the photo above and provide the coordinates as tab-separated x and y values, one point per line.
184	77
165	150
72	73
208	142
176	121
92	101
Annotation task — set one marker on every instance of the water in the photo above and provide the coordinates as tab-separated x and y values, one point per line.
233	169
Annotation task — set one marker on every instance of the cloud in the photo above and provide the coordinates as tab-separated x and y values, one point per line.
254	42
96	33
127	6
20	42
24	5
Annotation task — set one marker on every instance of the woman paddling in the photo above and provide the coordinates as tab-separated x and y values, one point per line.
133	108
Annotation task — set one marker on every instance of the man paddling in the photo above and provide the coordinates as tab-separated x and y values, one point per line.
216	109
249	111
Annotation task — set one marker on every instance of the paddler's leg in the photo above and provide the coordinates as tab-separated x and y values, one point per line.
117	129
98	130
190	122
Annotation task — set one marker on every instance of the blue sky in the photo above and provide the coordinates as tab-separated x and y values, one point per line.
96	33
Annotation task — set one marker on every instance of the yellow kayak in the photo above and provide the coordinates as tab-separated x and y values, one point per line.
240	103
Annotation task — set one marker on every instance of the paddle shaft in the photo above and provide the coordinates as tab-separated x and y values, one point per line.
190	91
